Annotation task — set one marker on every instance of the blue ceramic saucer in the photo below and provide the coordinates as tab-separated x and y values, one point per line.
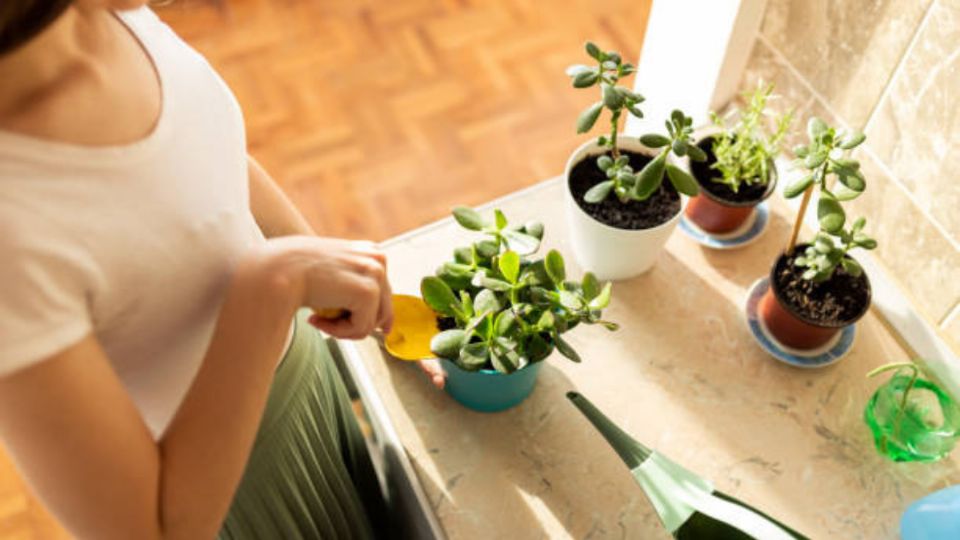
751	229
829	353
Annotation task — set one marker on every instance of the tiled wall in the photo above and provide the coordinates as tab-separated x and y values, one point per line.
890	68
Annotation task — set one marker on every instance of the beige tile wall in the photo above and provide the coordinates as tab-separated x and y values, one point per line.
892	69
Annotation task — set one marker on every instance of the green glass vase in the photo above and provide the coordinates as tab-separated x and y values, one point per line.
912	419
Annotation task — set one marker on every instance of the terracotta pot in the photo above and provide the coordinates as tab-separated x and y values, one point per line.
792	328
609	252
713	213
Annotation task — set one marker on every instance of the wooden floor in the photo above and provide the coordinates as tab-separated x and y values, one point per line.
379	116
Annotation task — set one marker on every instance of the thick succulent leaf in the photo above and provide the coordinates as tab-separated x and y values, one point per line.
468	218
504	322
473	356
438	295
798	187
553	263
654	140
604	162
565	348
830	214
570	301
546	321
842	193
855	181
696	153
649	178
594	51
486	302
588	117
487	248
590	286
500	220
577	69
534	229
682	180
611	98
816	127
481	280
447	344
509	264
853	140
522	243
852	267
598	192
602	300
585	79
463	255
814	160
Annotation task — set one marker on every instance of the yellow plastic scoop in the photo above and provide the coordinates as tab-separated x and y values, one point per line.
414	325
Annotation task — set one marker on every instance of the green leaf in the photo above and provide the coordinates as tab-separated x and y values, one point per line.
814	160
504	322
590	286
816	127
553	263
866	242
473	356
522	243
654	140
823	244
438	295
546	321
649	178
604	162
534	229
603	299
501	362
468	218
585	79
853	140
611	98
798	187
679	147
856	181
634	110
594	51
487	248
510	266
851	266
842	193
830	214
588	117
577	69
463	255
696	153
682	180
486	302
498	285
455	275
570	301
447	344
500	220
598	192
859	224
565	348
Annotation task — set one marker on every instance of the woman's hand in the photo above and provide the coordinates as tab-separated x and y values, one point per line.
434	372
327	273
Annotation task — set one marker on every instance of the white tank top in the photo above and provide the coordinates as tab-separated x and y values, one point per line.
133	243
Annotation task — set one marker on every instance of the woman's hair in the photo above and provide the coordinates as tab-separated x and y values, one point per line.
21	20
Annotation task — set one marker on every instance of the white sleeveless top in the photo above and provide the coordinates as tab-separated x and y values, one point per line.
133	243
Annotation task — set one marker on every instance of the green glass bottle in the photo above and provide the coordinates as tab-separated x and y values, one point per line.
687	504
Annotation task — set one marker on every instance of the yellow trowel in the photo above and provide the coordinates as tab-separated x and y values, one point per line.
414	325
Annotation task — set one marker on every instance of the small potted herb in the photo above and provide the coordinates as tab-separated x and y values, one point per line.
817	289
620	210
739	172
503	312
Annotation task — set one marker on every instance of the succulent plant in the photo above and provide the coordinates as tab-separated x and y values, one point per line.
826	157
622	180
745	150
507	310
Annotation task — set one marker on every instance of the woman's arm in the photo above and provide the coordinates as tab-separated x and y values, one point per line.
78	439
275	213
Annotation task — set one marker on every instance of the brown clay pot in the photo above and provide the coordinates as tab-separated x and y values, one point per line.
790	327
713	213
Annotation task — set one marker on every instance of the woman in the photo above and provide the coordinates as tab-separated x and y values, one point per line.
152	384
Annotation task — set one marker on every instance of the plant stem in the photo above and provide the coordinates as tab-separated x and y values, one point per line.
799	221
614	127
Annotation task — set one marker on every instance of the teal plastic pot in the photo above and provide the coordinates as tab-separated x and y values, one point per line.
489	390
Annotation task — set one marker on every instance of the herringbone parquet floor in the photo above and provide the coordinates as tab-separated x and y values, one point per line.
377	116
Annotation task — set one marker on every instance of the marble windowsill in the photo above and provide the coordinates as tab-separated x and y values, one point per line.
684	376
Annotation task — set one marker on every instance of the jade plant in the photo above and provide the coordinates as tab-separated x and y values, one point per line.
502	308
838	179
745	150
622	180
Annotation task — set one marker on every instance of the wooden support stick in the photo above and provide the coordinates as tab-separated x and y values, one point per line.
796	225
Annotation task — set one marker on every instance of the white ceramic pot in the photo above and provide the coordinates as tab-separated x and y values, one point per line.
609	252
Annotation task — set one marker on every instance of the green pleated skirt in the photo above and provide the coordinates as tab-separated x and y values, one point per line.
309	474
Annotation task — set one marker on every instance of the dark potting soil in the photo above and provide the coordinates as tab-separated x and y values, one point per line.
446	323
704	173
834	302
632	215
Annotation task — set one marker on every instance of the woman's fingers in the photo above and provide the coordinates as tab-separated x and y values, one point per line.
434	372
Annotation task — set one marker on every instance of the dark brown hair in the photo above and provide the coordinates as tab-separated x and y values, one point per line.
20	20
